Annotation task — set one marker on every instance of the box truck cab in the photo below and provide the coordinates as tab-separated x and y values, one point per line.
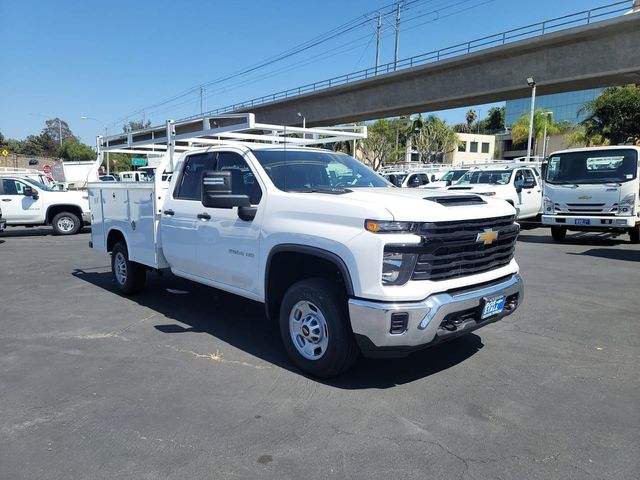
593	189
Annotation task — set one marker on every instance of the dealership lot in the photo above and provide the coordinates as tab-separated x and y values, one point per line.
184	381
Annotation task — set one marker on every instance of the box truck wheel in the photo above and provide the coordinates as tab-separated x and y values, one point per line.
558	233
634	234
315	328
130	276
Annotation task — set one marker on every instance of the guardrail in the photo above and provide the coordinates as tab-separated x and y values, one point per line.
565	22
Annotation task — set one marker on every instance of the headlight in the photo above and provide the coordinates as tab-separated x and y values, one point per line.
627	205
487	194
547	205
397	267
384	226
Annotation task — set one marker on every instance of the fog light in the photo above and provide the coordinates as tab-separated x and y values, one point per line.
399	323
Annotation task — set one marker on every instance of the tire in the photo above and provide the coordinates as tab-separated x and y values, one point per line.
315	328
130	277
66	223
558	233
634	234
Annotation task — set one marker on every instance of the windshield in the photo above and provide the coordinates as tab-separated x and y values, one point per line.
39	185
490	177
452	175
596	166
300	171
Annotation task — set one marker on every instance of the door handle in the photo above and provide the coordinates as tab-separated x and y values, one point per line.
169	213
6	199
204	216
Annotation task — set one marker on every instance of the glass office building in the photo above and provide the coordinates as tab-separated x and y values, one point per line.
565	106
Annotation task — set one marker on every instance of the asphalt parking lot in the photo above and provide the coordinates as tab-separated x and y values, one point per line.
184	381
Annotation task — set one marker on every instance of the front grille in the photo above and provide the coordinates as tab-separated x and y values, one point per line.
451	249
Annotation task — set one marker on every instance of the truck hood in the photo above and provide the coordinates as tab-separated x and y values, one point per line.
422	205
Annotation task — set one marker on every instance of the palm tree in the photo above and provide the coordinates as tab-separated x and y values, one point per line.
520	129
471	117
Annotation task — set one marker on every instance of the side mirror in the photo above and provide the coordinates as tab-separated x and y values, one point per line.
449	183
30	192
216	191
433	177
415	182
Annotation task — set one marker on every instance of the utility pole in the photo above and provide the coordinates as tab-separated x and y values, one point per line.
60	130
201	96
378	31
395	58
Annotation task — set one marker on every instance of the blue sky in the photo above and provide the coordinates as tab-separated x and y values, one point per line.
108	59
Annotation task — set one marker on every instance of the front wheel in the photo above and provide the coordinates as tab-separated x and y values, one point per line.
315	329
130	277
66	223
558	233
634	234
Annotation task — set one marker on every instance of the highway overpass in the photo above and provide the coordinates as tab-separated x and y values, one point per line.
596	55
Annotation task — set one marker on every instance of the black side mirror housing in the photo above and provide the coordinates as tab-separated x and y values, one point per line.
449	183
216	191
30	192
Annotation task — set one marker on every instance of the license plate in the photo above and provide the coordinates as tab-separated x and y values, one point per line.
492	306
583	221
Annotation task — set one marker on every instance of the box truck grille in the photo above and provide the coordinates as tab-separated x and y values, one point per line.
458	249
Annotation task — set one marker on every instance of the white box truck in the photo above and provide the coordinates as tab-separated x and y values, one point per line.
593	189
344	261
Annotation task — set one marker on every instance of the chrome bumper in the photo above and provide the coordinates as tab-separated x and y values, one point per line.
86	217
372	320
611	221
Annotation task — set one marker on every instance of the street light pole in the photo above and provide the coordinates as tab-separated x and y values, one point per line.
60	130
532	84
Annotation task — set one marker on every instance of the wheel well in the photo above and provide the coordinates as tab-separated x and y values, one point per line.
285	268
114	237
56	209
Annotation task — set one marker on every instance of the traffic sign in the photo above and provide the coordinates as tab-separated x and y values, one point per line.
138	161
5	152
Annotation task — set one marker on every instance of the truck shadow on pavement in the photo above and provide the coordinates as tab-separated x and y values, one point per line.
609	254
16	232
578	238
242	323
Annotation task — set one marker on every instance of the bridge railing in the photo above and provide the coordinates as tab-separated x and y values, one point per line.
565	22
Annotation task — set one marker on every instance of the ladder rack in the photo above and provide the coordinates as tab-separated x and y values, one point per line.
220	130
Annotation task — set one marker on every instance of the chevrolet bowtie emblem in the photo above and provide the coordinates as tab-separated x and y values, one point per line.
585	197
487	237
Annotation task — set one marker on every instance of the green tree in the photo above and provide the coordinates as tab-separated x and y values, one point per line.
432	138
520	129
470	117
75	151
495	120
52	130
614	115
119	162
378	145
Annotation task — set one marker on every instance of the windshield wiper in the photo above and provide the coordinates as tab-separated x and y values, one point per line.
331	191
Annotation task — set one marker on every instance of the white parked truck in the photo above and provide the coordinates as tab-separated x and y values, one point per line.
344	261
593	189
29	203
520	186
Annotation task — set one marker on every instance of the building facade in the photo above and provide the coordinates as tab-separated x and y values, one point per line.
472	148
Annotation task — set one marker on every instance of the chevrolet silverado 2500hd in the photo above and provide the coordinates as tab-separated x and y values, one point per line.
343	260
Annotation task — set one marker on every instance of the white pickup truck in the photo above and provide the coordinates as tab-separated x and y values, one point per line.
344	261
593	189
29	203
520	186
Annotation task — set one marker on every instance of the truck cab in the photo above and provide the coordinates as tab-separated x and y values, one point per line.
27	202
593	189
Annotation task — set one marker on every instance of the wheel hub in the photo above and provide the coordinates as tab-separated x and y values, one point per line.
308	329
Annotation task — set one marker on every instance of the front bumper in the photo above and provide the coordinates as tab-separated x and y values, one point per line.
371	321
86	217
569	221
3	224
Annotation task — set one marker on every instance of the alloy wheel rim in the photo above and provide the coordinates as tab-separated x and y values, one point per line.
120	269
308	330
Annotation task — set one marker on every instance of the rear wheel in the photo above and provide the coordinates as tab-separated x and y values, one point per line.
634	234
315	329
558	233
66	223
130	277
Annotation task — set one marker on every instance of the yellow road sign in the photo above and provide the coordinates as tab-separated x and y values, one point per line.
5	153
